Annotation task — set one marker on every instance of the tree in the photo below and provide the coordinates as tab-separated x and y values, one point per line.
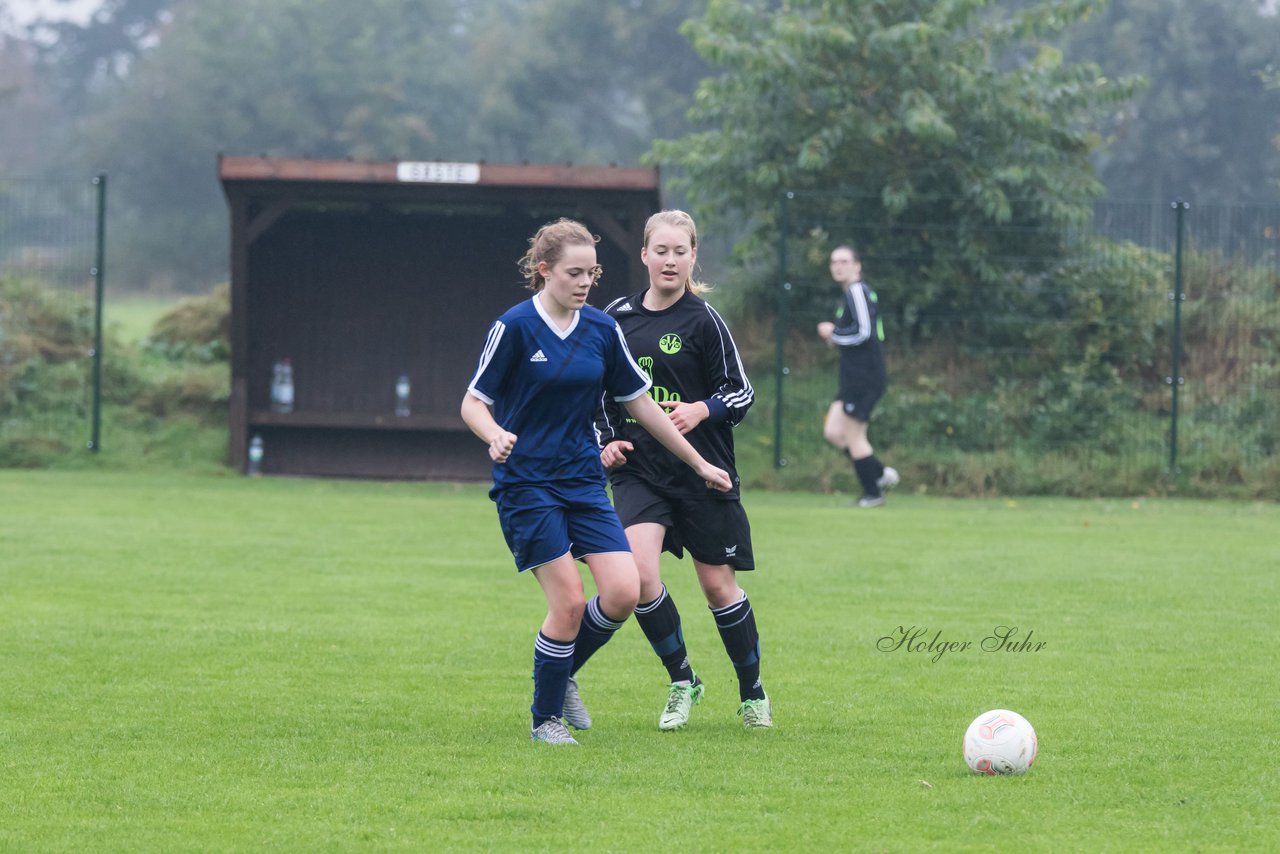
908	113
1270	77
322	78
551	80
86	55
24	104
582	80
1202	129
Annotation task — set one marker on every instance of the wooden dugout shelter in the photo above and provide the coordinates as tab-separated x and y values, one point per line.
359	271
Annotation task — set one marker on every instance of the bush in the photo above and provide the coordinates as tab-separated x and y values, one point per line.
45	338
31	452
1064	394
166	401
199	391
197	329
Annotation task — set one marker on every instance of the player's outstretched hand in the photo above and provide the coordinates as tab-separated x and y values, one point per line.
614	454
717	479
500	446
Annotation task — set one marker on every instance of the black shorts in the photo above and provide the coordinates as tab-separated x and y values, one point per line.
858	396
715	531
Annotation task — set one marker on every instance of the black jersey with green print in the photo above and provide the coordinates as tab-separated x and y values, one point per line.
859	334
690	356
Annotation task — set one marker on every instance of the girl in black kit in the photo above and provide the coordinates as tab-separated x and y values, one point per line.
858	332
687	350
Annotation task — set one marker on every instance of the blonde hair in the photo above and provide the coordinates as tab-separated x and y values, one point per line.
677	219
548	244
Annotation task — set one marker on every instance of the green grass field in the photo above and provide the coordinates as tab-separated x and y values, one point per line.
214	663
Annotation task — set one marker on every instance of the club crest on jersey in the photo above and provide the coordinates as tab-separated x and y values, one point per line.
670	343
538	357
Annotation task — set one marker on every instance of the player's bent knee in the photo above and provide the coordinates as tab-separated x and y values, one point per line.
719	584
568	612
841	433
722	596
620	600
650	576
619	595
650	589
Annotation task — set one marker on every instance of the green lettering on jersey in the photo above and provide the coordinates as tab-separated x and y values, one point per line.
660	394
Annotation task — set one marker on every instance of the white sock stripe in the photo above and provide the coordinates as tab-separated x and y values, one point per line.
548	654
597	617
728	611
652	606
745	614
735	604
553	648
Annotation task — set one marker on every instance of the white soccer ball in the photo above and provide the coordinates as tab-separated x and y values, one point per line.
1000	742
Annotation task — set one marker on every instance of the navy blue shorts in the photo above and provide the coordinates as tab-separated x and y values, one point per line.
543	522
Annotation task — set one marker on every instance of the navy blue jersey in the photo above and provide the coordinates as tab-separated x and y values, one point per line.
688	352
544	385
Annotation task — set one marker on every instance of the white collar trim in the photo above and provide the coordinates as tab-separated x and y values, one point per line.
546	318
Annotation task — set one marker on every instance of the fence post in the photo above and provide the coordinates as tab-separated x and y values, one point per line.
781	322
99	181
1177	296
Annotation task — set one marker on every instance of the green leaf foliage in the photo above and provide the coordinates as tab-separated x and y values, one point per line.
43	341
1204	127
197	329
548	81
955	113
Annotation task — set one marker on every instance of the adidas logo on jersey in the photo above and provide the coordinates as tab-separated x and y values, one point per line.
626	306
538	357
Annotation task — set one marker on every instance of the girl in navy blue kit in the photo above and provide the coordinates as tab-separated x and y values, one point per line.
545	364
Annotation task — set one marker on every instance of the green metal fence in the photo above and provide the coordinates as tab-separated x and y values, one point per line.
1139	350
52	249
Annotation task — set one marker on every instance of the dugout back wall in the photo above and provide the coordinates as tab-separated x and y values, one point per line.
359	272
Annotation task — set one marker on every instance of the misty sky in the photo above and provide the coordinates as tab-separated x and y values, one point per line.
25	11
